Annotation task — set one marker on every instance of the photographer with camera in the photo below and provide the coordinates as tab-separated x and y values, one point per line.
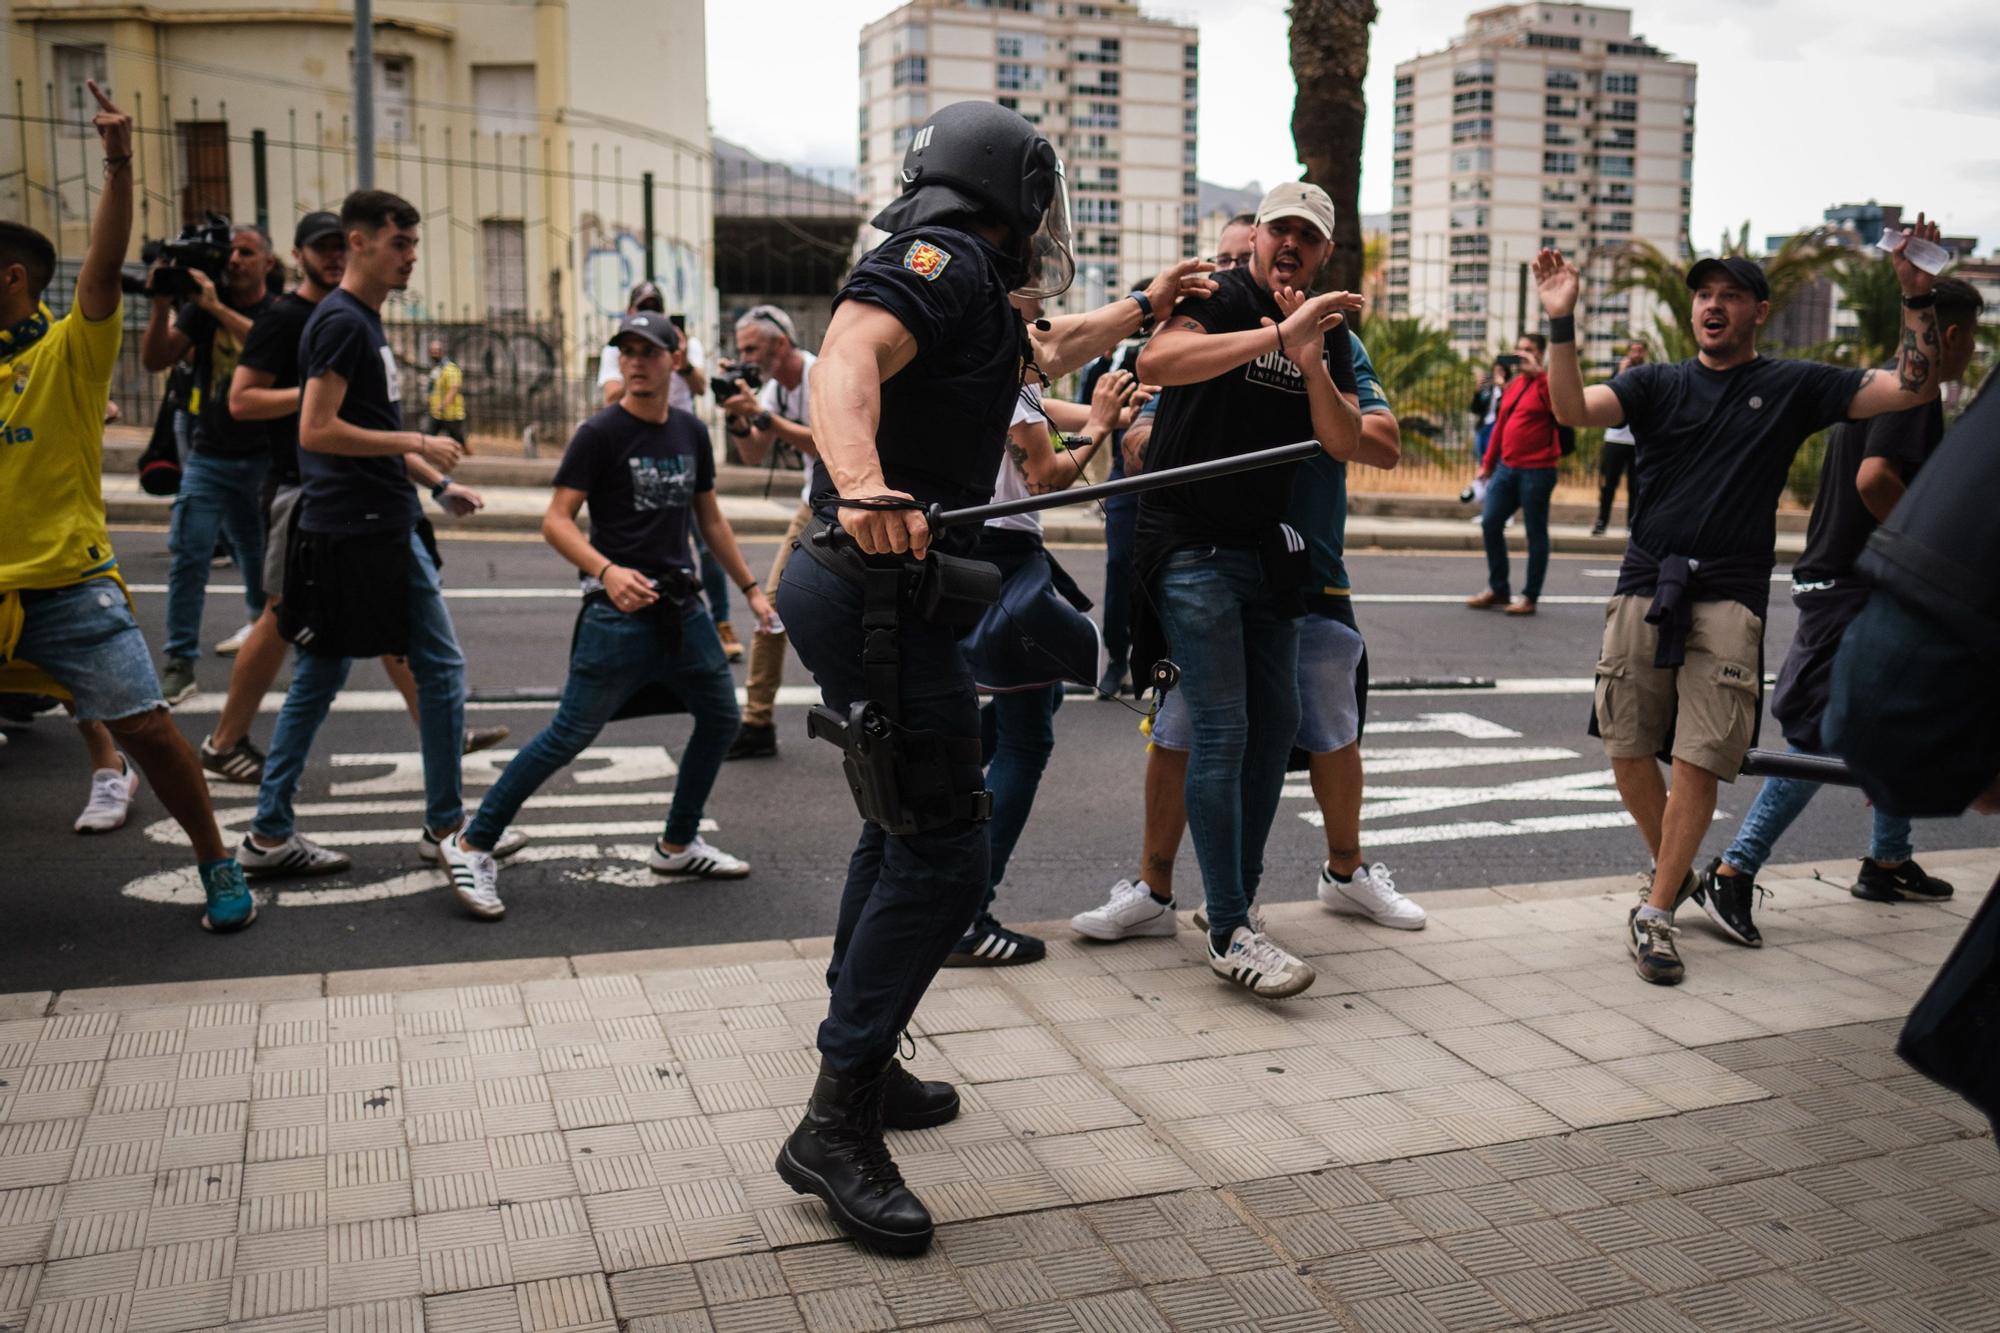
760	420
65	619
227	271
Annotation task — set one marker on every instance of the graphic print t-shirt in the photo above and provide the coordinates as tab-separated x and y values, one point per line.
216	352
1254	406
639	479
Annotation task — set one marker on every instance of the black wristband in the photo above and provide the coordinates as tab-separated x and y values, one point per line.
1922	302
747	588
762	421
601	572
439	487
1145	307
1562	328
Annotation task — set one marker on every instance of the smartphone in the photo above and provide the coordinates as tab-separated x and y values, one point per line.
1508	361
678	321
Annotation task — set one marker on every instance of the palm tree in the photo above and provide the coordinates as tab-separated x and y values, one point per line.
1870	291
1790	269
1329	61
1428	383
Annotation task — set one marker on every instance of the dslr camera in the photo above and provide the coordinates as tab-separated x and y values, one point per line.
746	379
202	245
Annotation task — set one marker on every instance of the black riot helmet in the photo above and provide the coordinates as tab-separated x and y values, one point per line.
980	160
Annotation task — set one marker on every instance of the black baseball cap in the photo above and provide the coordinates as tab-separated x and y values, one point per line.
654	328
315	227
1743	272
646	296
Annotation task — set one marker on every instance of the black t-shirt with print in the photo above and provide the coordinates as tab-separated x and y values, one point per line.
640	479
1254	406
216	352
944	416
273	348
1840	523
1715	447
355	495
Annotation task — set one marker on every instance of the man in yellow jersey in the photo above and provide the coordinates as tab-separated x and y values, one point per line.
444	395
63	608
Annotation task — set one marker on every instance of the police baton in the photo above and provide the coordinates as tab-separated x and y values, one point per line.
940	517
1801	767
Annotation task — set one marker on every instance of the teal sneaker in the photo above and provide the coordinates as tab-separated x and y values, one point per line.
230	906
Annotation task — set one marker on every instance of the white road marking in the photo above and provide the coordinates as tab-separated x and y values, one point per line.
622	763
167	832
209	703
1430	758
1457	724
1488	828
182	887
1781	577
1388	802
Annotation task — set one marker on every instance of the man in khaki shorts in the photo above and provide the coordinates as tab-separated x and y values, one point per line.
1681	669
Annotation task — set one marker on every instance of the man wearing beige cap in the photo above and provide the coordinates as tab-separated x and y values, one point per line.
1258	364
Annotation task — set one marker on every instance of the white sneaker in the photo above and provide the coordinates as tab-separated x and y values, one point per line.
475	878
233	645
1132	911
698	858
1370	893
503	847
1256	918
111	795
296	855
1258	965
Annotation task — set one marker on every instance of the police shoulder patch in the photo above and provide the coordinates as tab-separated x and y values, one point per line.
925	260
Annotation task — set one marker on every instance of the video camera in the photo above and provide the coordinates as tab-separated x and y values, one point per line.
747	379
202	246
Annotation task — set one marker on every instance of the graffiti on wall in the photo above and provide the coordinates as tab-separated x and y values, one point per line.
614	261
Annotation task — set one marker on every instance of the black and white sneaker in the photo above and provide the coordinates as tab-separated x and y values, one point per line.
990	944
1257	964
1904	883
428	846
699	858
296	855
1727	899
241	762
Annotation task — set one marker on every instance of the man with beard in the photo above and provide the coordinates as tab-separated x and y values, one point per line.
1681	668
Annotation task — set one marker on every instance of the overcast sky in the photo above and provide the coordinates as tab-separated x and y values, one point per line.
1802	104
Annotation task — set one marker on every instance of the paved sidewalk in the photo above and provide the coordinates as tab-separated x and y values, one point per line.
1491	1124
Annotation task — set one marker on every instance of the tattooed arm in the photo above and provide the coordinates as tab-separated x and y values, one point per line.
1915	379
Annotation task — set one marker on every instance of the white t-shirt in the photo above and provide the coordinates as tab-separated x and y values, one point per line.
793	405
678	393
1012	484
1619	435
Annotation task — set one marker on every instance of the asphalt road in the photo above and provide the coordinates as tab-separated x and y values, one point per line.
1467	788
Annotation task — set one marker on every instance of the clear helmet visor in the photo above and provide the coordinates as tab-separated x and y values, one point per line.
1050	258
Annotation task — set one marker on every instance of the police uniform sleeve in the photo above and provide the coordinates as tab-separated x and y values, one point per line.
922	279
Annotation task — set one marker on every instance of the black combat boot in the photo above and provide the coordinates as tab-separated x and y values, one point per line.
909	1102
837	1153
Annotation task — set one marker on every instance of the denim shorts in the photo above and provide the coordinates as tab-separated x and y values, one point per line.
1329	707
84	637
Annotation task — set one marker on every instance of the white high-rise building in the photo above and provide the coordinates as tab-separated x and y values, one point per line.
1544	124
1115	92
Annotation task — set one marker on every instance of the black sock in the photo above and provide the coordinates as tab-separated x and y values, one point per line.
1218	940
1337	876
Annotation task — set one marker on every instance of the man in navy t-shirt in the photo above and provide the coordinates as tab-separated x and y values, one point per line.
1716	436
644	468
357	463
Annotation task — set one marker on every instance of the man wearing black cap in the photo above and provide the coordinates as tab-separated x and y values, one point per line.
643	467
1681	667
911	398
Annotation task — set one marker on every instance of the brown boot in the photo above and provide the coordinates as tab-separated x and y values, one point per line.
1521	606
731	648
1485	601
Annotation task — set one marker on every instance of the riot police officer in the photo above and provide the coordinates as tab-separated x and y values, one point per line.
911	398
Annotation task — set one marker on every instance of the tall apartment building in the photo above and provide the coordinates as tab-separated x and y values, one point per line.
1115	91
1544	124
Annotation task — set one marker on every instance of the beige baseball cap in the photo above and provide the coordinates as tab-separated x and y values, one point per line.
1298	199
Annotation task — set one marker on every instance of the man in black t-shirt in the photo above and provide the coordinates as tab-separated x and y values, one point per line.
1258	364
222	476
1716	435
644	468
911	398
372	551
1868	466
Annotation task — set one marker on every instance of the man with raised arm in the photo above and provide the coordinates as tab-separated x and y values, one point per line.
1681	667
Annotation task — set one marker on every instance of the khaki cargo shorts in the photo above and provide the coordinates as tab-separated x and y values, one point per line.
1709	703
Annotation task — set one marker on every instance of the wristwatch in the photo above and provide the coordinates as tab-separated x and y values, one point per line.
439	487
762	421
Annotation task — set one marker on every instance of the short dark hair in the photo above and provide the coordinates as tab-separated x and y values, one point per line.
1242	220
376	209
1540	340
23	245
1958	303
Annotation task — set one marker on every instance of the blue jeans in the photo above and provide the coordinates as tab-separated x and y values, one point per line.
1121	525
907	899
1779	802
1017	735
83	636
615	654
439	668
1239	668
217	495
1528	490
